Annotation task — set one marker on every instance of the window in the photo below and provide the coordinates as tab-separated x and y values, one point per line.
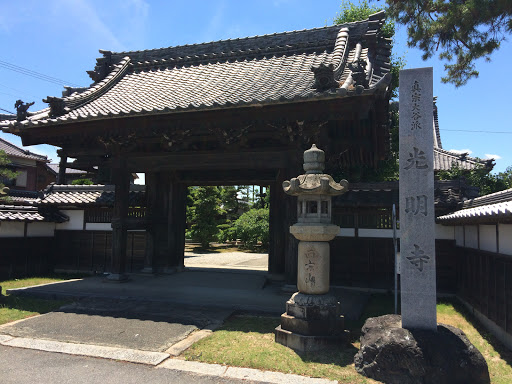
21	179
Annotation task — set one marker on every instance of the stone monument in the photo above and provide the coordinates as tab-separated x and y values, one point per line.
413	348
313	317
417	216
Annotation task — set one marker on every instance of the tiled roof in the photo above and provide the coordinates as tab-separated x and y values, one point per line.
444	160
353	59
448	195
29	214
490	208
54	167
18	197
82	195
493	198
15	151
501	212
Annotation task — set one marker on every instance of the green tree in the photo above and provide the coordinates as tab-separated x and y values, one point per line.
204	214
461	31
481	178
82	181
5	174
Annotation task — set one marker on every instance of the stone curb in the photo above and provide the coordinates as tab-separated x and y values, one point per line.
124	354
240	373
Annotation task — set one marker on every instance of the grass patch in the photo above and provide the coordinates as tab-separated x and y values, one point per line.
14	308
248	341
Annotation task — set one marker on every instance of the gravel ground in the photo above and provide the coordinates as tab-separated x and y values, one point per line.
234	260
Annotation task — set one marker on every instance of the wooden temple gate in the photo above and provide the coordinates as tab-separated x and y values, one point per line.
230	112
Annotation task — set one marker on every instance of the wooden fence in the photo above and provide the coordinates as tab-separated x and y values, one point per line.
369	262
91	251
485	282
29	256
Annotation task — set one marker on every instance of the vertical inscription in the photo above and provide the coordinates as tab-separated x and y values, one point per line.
417	225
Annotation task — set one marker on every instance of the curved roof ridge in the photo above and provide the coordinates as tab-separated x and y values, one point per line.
75	100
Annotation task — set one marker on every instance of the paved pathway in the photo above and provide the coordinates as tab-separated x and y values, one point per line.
148	320
232	260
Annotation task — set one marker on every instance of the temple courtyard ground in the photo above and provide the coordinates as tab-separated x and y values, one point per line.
198	326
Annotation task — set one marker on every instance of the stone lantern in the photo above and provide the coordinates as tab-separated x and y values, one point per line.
313	318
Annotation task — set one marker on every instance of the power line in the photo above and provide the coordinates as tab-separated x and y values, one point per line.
37	75
467	130
5	110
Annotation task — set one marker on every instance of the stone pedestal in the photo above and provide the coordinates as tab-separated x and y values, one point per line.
313	318
311	322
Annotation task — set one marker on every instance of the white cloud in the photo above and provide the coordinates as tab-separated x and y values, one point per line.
490	156
85	18
216	22
461	151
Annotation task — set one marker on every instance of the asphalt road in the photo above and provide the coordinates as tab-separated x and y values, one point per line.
25	366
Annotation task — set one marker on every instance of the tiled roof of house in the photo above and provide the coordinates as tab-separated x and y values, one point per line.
490	208
54	168
29	214
87	195
15	151
448	194
19	197
444	160
314	64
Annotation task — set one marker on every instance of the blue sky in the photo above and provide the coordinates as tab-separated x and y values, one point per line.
61	38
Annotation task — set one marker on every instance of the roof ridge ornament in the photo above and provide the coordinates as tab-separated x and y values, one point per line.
57	106
22	109
358	67
324	77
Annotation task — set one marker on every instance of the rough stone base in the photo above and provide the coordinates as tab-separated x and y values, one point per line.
311	322
392	354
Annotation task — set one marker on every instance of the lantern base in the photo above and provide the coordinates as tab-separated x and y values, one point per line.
311	322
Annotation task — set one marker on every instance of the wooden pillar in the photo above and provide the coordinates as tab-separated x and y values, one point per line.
121	178
283	214
276	235
176	225
158	200
151	209
61	177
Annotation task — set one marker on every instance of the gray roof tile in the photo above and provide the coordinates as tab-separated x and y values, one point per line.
83	195
258	70
15	151
29	214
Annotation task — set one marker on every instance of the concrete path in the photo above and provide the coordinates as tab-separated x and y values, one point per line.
148	320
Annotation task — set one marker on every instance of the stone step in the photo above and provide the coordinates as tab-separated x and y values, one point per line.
305	343
318	327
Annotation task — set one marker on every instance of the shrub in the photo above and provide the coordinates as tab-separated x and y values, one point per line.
252	227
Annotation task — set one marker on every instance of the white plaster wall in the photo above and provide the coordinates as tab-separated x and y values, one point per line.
444	232
505	239
75	223
381	233
471	236
488	238
347	232
459	235
40	229
12	229
98	226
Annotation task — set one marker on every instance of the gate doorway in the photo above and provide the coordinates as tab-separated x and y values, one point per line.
227	228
